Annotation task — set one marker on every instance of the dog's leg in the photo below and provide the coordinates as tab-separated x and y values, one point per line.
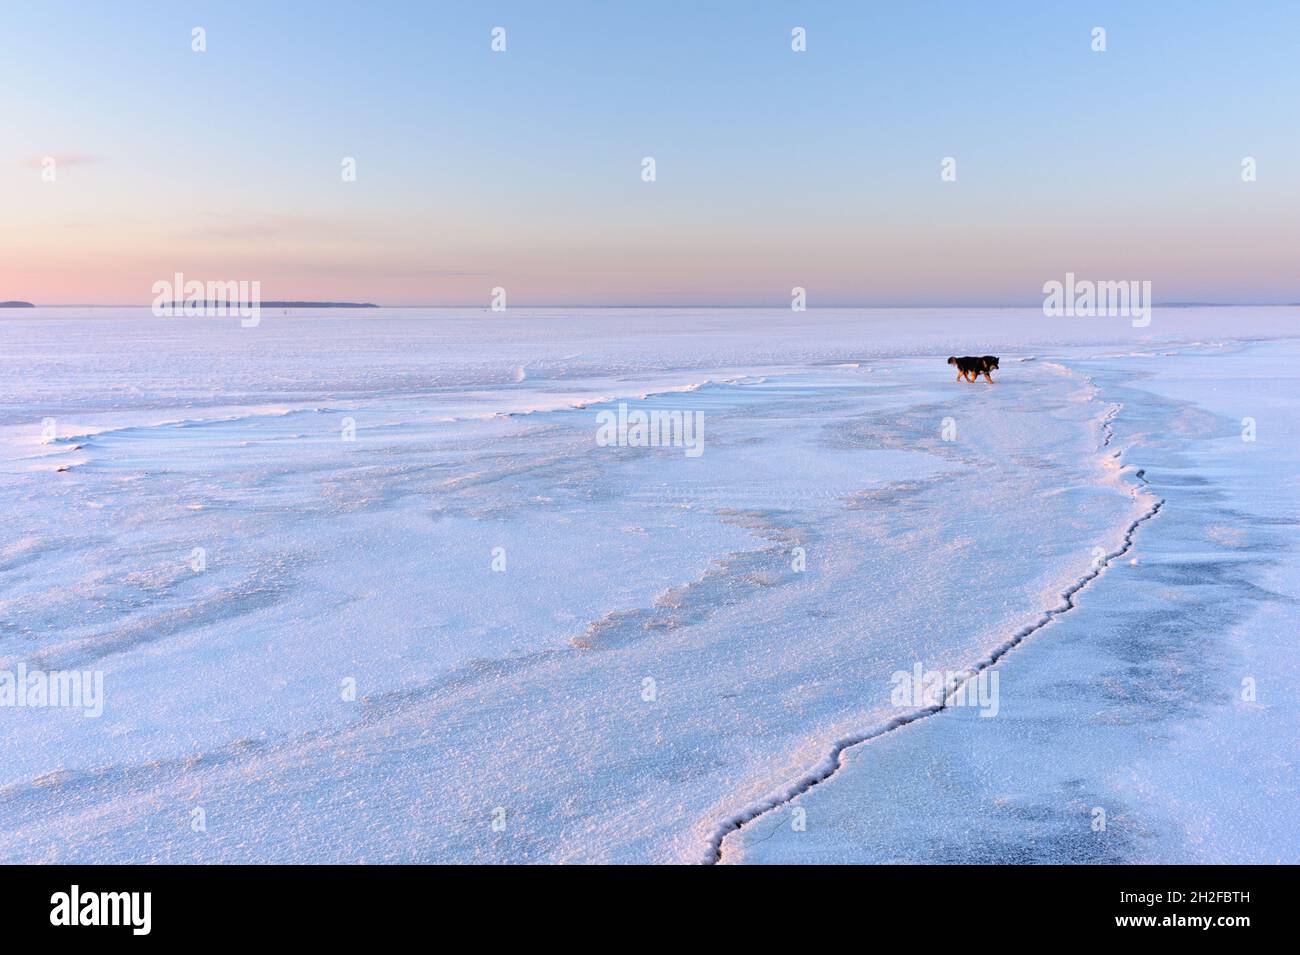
987	378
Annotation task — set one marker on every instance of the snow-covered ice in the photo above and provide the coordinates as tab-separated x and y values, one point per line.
569	652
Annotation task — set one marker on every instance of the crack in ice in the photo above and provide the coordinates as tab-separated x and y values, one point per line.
834	760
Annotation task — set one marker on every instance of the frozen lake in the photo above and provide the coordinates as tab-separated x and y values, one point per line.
367	586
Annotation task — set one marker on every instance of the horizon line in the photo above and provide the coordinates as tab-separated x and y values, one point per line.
763	305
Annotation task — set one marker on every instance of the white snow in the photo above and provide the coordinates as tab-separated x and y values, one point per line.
650	664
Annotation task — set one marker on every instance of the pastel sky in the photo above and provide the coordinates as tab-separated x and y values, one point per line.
774	168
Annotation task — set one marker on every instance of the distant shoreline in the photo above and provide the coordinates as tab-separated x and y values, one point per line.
218	303
755	305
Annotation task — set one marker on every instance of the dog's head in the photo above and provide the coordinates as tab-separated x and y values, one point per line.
951	360
991	361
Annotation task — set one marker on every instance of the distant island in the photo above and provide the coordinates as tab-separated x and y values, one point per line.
16	305
221	303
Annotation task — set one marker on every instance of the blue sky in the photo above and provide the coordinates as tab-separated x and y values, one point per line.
774	168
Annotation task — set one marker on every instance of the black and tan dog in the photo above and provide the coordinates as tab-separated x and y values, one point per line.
973	367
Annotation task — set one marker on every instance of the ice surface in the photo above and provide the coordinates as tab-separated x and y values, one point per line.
1126	732
937	519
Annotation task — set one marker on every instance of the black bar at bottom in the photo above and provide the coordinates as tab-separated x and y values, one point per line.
336	904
